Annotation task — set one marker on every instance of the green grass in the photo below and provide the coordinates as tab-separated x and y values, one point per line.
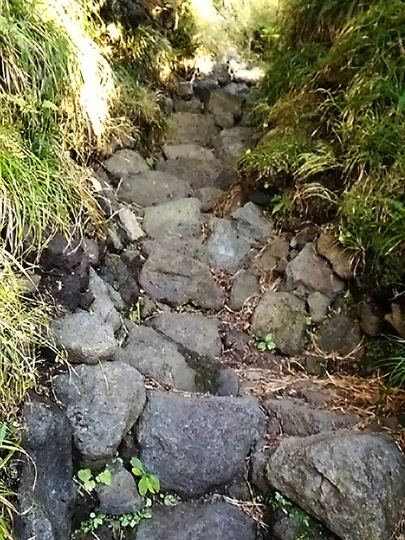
8	448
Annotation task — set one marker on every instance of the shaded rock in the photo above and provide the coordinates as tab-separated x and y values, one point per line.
370	318
314	365
196	172
397	319
274	256
300	420
340	260
251	222
118	275
227	248
155	356
125	162
190	151
121	496
308	273
304	236
197	334
209	197
318	305
85	337
293	527
195	444
47	493
244	287
114	241
353	482
340	334
197	521
102	402
186	128
152	187
193	106
129	222
283	316
103	306
181	218
129	14
185	90
92	250
175	273
240	90
226	382
234	141
225	107
166	104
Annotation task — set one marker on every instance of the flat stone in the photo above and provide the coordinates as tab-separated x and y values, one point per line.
121	495
244	287
274	256
227	248
152	187
336	477
196	333
283	316
340	334
125	162
175	218
174	273
189	128
318	305
308	273
190	151
47	493
195	444
197	521
129	222
102	402
340	259
225	107
103	306
300	420
196	172
251	222
154	355
85	337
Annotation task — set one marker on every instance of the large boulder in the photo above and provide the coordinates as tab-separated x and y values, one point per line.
102	402
176	272
283	316
351	481
152	187
196	333
308	273
86	338
197	521
47	493
175	218
195	444
154	355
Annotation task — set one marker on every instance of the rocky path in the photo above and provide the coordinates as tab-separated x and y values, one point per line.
181	331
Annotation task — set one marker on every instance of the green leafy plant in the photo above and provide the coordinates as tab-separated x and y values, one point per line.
88	481
94	521
148	483
290	509
266	343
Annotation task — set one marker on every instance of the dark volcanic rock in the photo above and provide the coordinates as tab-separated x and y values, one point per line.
47	492
195	444
121	496
340	334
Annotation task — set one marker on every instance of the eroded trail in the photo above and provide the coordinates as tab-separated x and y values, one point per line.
192	340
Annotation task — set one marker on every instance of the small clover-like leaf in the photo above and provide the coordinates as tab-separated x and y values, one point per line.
154	483
137	467
104	477
262	346
86	477
143	486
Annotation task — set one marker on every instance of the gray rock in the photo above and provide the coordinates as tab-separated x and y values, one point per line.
299	420
209	197
197	521
244	287
157	357
225	107
371	318
129	222
103	306
195	444
175	218
85	337
193	106
340	334
318	305
283	316
226	382
92	250
47	493
274	256
196	333
252	223
188	128
291	526
152	187
102	402
227	248
175	273
191	151
185	90
121	496
308	273
341	262
125	162
234	141
353	482
240	90
196	172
